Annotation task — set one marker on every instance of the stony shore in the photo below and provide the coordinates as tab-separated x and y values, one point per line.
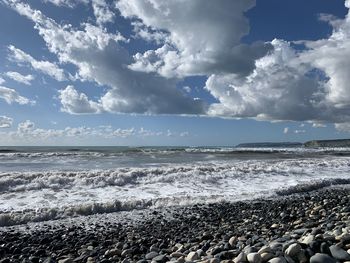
309	227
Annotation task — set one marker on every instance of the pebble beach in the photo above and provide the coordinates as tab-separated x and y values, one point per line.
305	227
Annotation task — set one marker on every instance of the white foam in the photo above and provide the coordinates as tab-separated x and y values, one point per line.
35	196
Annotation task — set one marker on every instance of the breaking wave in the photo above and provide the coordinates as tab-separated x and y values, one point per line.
312	186
200	173
55	213
89	181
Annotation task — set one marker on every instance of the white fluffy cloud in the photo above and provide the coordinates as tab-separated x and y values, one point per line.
2	80
5	122
12	96
287	84
331	56
77	103
16	76
278	88
200	37
102	11
267	81
99	57
45	67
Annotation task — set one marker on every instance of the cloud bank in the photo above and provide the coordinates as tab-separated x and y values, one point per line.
27	132
199	37
266	81
100	58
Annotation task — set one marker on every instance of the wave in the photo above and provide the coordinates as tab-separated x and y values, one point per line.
205	173
312	186
12	218
54	194
46	214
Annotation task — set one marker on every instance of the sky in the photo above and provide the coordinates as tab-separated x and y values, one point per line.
154	72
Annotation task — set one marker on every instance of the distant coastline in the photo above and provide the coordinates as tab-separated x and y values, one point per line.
308	144
270	144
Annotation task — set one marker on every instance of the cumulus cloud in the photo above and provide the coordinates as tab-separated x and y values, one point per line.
77	103
278	83
200	37
278	89
290	84
12	96
2	80
99	57
265	81
25	79
5	122
330	55
45	67
102	11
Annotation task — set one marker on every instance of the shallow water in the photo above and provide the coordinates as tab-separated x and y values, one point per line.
41	183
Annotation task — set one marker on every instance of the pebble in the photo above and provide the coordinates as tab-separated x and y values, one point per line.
192	256
254	258
267	256
159	258
126	252
293	250
307	239
232	241
264	249
151	255
322	258
242	257
176	254
339	253
277	260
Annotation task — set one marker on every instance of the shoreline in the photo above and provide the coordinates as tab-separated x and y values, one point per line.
292	227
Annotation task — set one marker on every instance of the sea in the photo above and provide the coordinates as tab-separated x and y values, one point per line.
49	183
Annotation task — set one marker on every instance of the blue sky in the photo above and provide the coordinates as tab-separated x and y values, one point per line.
152	72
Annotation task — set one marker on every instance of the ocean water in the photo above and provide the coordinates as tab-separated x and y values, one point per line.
44	183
